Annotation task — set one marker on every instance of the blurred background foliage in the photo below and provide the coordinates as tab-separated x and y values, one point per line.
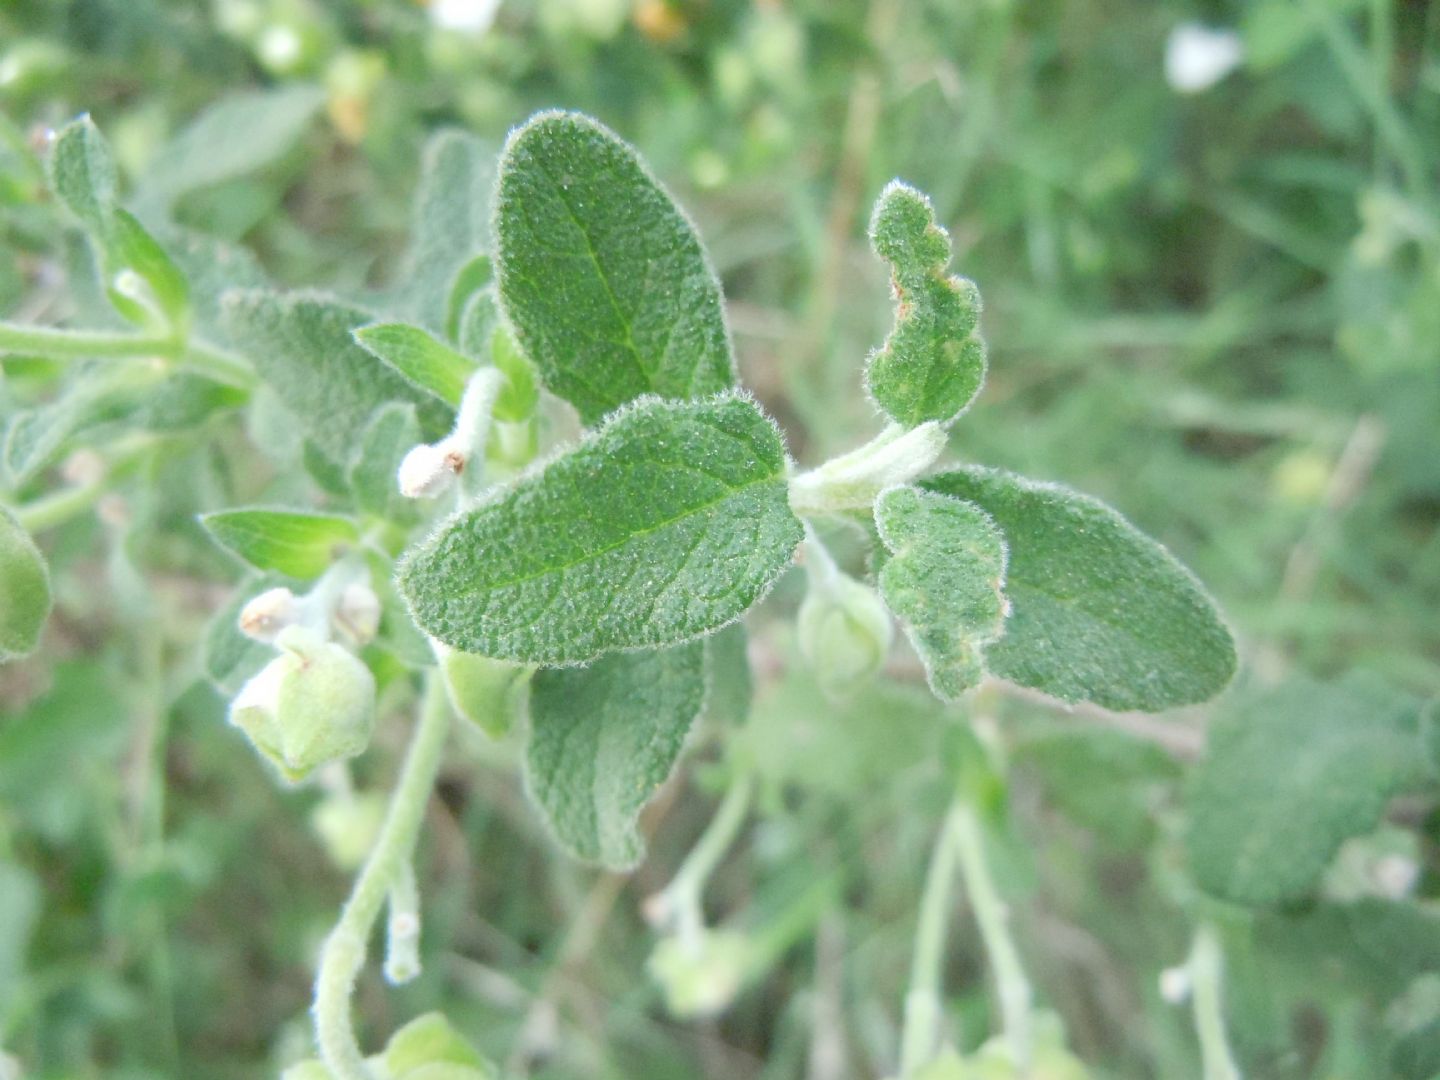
1219	310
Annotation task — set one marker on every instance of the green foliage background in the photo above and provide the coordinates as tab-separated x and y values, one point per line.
1216	311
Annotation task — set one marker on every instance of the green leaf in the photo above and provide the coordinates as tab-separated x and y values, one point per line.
300	344
452	224
236	136
1099	611
229	658
419	356
22	899
601	275
663	525
429	1039
393	431
602	741
24	590
933	363
483	335
129	247
944	580
1291	772
296	543
729	684
82	174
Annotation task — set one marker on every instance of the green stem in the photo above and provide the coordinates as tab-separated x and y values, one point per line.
54	343
920	1036
680	901
58	507
993	919
344	952
1207	969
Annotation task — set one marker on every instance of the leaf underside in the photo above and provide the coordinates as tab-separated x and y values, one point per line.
664	525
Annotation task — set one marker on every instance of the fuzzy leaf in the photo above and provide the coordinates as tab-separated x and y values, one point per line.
296	543
393	431
601	275
602	741
944	582
1291	772
933	363
300	344
452	224
236	136
663	525
229	658
1099	611
82	173
419	356
484	335
24	590
729	684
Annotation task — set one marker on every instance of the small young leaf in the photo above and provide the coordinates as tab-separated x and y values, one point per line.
601	275
419	356
1290	773
24	590
944	580
663	525
484	335
933	363
602	741
82	174
1099	611
129	247
393	431
301	345
296	543
236	136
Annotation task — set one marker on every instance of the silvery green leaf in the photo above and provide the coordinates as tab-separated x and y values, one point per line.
1290	773
1099	611
663	525
933	363
297	543
944	580
300	344
729	683
392	432
484	335
601	275
229	658
238	135
82	173
24	590
604	738
419	356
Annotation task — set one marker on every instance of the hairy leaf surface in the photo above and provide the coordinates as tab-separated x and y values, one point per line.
663	525
944	581
604	738
601	275
1290	773
452	223
933	363
1099	611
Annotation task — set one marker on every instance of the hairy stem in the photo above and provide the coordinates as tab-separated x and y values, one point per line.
993	919
680	901
58	344
344	952
1207	969
920	1037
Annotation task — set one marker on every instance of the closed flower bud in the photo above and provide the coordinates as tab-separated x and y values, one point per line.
267	614
701	976
429	470
489	693
429	1048
357	614
845	633
313	704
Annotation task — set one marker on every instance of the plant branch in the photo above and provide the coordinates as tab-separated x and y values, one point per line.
1207	968
920	1036
344	952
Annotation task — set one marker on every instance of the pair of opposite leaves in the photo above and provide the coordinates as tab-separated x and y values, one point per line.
671	518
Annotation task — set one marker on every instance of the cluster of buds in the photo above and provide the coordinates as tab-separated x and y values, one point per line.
431	469
314	703
700	974
844	628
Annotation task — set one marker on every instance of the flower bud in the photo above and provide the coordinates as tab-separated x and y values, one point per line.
312	704
357	614
701	976
267	614
429	1048
429	470
487	692
845	633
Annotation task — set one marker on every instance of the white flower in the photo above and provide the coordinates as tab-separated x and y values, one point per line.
1197	57
465	16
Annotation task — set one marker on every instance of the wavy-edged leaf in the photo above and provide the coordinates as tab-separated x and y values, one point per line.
663	525
601	275
933	363
1099	611
944	580
604	738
